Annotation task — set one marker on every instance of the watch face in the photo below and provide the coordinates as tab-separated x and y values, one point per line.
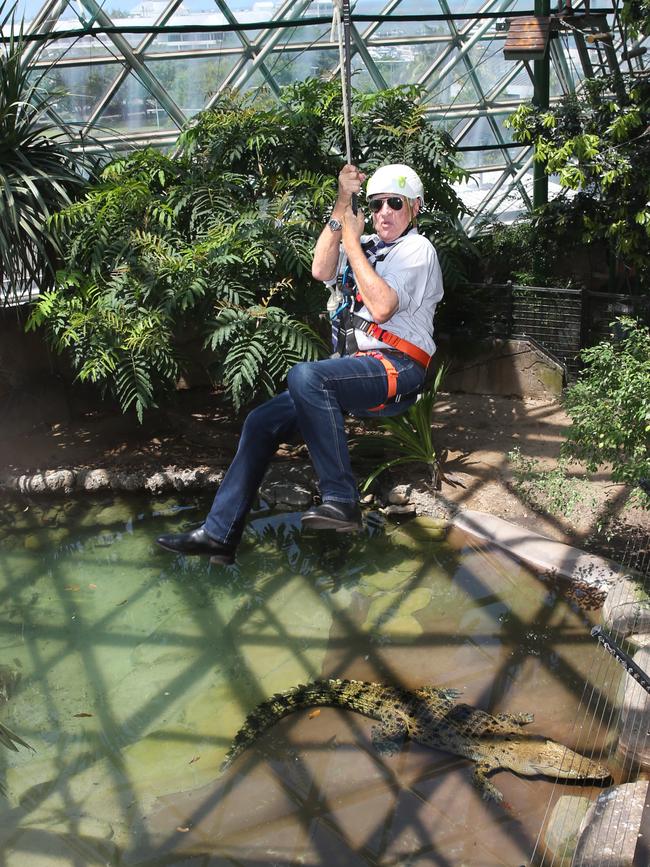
334	225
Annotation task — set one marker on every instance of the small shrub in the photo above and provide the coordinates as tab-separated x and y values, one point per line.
609	408
548	490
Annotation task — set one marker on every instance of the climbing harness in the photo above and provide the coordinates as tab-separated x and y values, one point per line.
345	321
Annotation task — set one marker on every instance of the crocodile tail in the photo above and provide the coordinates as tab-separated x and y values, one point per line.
268	713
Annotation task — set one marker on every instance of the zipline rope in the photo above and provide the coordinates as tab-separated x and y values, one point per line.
341	24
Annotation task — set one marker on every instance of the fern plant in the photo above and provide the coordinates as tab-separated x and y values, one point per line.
407	438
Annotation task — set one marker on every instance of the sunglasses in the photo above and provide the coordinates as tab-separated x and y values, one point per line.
393	202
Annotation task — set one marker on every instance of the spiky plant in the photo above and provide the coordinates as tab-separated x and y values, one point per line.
407	438
40	172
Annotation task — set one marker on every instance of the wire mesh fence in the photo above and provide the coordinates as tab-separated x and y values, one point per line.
562	321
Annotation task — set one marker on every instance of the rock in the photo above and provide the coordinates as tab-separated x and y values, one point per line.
627	607
32	542
635	714
563	828
157	483
291	486
94	480
31	484
405	511
636	640
399	495
126	481
293	496
610	829
60	481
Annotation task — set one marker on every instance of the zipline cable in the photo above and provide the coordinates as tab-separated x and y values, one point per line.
341	21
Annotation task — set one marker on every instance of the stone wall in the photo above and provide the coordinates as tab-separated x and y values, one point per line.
510	368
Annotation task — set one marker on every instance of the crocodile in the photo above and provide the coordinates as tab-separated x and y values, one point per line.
430	716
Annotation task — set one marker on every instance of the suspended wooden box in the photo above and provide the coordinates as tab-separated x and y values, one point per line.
527	38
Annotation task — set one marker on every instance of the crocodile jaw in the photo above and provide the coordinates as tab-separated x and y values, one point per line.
555	760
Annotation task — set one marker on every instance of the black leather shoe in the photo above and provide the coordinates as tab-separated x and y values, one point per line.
198	542
343	517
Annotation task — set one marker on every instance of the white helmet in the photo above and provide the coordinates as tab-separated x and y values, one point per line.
396	178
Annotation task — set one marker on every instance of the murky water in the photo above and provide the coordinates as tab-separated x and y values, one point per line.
129	670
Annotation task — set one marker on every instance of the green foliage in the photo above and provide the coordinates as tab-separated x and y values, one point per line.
636	16
215	243
262	343
552	491
407	437
516	252
599	147
519	251
39	172
391	126
609	407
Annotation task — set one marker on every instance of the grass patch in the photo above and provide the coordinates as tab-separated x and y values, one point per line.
553	491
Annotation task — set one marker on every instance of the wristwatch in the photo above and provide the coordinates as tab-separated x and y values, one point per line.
335	225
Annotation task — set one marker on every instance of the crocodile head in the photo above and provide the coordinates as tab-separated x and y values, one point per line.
555	760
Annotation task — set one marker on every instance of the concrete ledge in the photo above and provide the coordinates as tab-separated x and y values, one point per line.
546	555
610	829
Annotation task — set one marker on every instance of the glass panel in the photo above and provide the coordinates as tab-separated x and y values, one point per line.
287	66
27	9
496	156
251	12
78	88
218	40
310	34
400	64
401	29
74	13
323	60
78	47
456	86
519	88
507	203
133	109
191	82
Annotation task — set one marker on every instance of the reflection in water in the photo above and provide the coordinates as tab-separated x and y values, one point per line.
130	671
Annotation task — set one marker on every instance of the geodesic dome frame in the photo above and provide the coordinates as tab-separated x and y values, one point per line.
136	76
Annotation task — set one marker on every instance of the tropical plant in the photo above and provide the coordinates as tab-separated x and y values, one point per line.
215	243
40	170
636	16
609	407
518	251
407	438
599	148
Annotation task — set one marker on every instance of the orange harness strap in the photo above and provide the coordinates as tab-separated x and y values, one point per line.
418	355
391	373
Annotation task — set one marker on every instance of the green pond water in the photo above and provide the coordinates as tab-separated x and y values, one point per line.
129	670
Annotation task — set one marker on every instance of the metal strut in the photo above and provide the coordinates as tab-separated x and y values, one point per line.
621	656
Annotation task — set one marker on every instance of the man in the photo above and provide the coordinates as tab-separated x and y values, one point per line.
385	287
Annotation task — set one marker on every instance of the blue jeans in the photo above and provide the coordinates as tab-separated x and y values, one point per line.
318	396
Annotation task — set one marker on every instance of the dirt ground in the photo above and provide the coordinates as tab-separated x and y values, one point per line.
480	434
